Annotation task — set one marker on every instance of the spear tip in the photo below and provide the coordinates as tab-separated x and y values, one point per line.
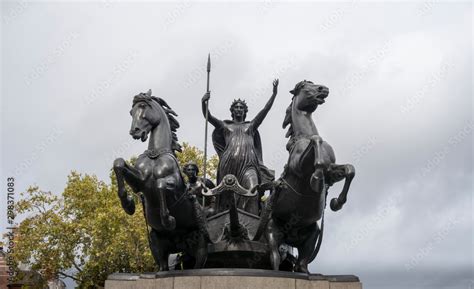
209	62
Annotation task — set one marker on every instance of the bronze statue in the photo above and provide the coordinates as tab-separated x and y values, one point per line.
196	185
299	195
238	145
176	220
234	232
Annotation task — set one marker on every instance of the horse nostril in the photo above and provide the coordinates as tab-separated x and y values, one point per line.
320	88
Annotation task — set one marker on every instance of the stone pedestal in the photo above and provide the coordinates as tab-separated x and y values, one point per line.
230	279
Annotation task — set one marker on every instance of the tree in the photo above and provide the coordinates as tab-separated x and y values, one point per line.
84	234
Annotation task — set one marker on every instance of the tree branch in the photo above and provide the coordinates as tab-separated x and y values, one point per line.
69	276
76	266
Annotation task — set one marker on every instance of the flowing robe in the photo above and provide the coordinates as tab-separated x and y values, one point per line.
239	148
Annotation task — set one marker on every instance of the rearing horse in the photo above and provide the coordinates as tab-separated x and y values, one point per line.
299	196
175	219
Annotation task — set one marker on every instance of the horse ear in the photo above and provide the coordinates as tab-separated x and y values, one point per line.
148	92
298	86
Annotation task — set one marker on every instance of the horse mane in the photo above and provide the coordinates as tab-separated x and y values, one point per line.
170	114
174	124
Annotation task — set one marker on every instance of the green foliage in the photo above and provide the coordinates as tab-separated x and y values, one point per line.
85	230
84	234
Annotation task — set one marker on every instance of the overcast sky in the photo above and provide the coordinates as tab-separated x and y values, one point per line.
399	109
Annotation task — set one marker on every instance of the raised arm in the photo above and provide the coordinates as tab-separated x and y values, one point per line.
257	121
214	121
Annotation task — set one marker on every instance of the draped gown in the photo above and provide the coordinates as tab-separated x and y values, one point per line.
239	148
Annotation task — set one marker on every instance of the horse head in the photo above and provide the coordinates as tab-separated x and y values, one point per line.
145	115
307	95
148	112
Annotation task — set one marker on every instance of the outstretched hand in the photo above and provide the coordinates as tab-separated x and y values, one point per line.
206	97
275	85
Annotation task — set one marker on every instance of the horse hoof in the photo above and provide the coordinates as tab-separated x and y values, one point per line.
128	205
301	269
119	163
335	205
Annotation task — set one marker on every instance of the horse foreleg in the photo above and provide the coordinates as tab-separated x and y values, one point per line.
317	180
163	187
337	203
126	173
314	159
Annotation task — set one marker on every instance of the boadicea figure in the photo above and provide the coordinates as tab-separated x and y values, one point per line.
196	185
299	195
239	147
173	216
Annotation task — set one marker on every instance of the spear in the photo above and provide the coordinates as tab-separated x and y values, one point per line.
207	116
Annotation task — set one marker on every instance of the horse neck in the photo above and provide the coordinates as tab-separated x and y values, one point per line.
302	122
161	137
